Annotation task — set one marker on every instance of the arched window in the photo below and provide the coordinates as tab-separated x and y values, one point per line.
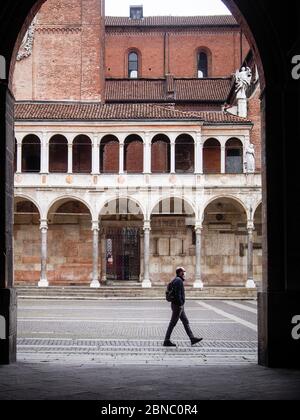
161	154
134	155
185	154
109	155
133	65
202	64
234	156
58	154
212	157
31	154
82	155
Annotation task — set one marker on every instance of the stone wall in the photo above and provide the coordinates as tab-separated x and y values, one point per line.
70	254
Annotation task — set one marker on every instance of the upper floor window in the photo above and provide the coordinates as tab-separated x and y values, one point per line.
133	65
202	65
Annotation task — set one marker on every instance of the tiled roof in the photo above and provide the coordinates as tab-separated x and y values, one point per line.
226	20
192	90
36	111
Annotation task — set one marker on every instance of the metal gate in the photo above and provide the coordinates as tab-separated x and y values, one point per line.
123	254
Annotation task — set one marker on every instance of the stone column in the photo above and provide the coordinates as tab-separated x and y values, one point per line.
103	257
44	154
198	155
95	281
147	282
147	155
198	275
70	158
19	158
96	156
121	164
223	159
44	253
173	157
250	278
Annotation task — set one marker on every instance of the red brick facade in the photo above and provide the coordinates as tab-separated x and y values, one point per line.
174	51
67	58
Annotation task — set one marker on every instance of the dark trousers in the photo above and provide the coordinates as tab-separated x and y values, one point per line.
178	313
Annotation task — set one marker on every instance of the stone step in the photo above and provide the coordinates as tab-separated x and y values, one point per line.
136	292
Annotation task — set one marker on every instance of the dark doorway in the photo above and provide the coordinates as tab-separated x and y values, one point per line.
123	254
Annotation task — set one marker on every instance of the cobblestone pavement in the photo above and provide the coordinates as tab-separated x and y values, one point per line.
112	350
131	332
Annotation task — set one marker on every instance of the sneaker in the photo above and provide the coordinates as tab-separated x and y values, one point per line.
169	343
196	340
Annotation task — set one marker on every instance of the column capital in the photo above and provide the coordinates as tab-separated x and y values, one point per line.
250	225
95	226
198	227
44	224
147	225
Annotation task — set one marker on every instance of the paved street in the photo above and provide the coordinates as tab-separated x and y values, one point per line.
112	350
131	332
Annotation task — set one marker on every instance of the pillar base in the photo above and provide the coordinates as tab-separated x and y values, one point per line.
95	284
8	322
251	284
146	284
198	284
43	283
279	329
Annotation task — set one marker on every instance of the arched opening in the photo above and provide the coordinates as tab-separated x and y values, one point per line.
212	157
234	156
70	244
266	32
27	248
82	155
161	154
203	63
109	155
134	154
31	154
58	154
185	154
133	65
172	239
121	241
224	250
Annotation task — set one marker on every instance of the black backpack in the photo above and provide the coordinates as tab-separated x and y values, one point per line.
170	292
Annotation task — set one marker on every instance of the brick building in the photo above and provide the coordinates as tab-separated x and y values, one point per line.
131	149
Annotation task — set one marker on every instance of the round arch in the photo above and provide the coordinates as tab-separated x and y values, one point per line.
57	202
109	154
125	197
205	67
240	203
168	197
185	154
24	197
160	154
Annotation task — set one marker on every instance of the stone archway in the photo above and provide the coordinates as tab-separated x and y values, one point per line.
121	229
274	48
27	250
173	239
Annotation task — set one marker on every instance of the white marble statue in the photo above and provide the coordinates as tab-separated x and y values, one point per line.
243	81
250	159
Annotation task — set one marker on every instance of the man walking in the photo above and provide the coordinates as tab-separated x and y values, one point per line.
178	310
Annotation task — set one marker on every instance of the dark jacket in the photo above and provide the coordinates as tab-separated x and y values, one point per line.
178	287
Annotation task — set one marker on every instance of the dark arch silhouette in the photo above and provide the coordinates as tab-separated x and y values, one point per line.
264	24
